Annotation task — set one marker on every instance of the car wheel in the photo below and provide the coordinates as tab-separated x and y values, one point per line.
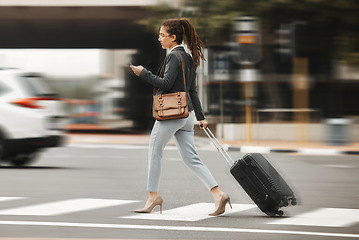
23	159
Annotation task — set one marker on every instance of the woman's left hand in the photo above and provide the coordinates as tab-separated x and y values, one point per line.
203	124
136	69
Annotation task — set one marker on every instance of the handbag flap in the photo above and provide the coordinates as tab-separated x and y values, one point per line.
170	101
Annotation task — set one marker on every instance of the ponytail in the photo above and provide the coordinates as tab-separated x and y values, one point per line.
183	26
193	42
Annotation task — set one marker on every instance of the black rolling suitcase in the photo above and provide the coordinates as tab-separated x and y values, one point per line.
259	179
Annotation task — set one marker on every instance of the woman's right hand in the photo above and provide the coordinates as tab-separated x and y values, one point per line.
136	69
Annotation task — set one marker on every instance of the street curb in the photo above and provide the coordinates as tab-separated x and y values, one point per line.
307	151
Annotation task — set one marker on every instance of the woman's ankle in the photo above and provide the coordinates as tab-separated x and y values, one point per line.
216	192
152	196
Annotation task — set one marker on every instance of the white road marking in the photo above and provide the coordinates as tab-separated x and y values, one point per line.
64	207
318	151
337	166
3	199
178	228
325	217
257	149
194	212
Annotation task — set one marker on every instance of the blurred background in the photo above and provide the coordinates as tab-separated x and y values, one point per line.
276	70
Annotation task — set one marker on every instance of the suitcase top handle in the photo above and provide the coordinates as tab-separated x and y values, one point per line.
218	145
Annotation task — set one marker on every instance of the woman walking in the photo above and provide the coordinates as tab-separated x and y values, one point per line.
172	33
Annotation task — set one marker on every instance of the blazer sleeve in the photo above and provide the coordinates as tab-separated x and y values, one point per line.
195	99
170	74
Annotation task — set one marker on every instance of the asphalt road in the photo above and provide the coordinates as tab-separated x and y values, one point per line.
89	190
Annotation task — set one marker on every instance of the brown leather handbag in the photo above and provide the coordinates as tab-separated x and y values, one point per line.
171	105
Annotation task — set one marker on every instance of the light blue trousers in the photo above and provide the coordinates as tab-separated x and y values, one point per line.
183	132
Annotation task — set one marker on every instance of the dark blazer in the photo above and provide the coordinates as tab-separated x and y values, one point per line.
172	79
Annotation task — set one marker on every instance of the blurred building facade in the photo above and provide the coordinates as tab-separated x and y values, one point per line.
267	90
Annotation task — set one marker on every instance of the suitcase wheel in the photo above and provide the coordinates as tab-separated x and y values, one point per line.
275	213
284	203
270	213
294	201
280	213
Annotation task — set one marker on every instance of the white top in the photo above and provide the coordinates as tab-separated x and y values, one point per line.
174	48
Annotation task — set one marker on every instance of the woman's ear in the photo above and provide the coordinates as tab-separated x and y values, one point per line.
174	38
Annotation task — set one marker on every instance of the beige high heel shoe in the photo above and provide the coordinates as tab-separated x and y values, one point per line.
222	205
157	202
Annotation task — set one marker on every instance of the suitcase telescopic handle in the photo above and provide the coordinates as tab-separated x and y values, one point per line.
218	145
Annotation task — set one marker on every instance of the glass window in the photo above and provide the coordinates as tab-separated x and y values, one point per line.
3	89
34	85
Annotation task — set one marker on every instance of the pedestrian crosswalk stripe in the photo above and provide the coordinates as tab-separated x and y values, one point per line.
194	212
4	199
64	207
325	217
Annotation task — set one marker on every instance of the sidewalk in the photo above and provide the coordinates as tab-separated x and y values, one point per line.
91	138
311	148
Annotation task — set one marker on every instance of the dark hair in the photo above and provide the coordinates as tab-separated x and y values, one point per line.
184	28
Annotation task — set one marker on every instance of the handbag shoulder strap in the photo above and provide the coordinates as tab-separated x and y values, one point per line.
184	77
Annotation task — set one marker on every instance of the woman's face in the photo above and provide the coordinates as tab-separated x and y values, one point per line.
167	41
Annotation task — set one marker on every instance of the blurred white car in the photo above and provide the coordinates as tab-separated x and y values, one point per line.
31	117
